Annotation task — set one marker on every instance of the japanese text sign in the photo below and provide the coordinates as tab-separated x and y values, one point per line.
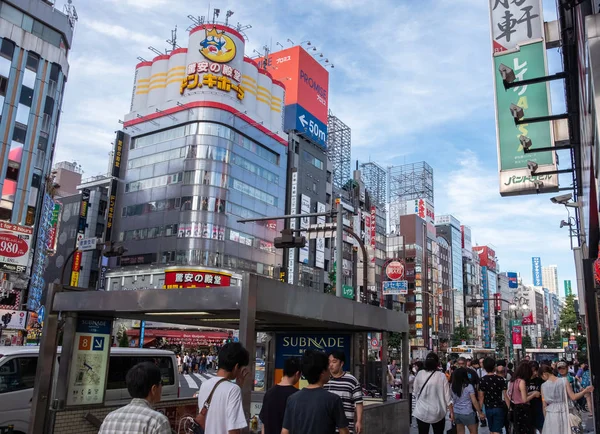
515	21
187	278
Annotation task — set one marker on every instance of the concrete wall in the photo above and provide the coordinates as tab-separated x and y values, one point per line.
389	417
72	420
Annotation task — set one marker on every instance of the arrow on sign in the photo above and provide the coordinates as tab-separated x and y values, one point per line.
303	120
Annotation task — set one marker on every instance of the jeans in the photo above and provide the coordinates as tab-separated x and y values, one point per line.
495	418
438	427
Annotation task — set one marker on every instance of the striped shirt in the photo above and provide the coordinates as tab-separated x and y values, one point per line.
136	417
347	388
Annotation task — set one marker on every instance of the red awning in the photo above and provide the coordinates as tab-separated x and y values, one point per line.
186	337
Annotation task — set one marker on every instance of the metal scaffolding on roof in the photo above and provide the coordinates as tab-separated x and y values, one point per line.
339	149
375	178
407	182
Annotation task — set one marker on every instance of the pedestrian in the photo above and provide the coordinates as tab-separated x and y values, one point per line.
225	415
480	369
203	364
562	369
196	362
313	409
509	371
536	407
432	397
209	361
275	400
492	395
179	364
347	387
585	381
464	400
555	394
144	384
519	399
186	363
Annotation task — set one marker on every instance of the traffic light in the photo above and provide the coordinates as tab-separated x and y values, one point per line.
475	303
287	240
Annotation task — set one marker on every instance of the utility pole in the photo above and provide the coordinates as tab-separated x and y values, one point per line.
339	245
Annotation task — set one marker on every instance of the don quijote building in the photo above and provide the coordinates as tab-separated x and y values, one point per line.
202	147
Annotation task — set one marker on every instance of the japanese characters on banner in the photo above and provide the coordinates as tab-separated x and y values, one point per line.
320	249
293	210
15	242
367	229
515	21
37	282
304	224
90	361
536	270
53	230
517	337
373	229
75	268
176	278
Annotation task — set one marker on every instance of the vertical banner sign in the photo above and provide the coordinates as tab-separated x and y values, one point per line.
37	282
373	232
54	227
293	210
517	337
517	37
536	270
320	249
90	362
513	280
304	224
142	333
568	290
75	268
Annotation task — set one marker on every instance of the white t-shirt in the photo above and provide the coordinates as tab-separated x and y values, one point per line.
225	412
433	400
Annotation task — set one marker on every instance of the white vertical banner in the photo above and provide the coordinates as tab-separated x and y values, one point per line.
293	210
320	250
304	224
514	22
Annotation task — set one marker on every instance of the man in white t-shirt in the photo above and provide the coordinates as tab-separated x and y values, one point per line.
226	415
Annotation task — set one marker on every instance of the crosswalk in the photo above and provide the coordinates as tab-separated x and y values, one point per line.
190	383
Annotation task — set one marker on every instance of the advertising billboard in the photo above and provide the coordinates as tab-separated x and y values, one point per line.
536	270
306	91
517	337
17	319
181	277
487	257
466	238
514	22
513	280
320	244
568	290
304	224
15	242
293	210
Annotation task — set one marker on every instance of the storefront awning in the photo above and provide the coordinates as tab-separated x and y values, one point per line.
186	337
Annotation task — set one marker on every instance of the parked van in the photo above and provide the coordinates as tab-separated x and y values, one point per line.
17	375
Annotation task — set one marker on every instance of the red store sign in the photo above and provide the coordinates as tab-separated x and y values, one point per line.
189	278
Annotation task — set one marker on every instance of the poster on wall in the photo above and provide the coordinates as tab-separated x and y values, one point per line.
320	243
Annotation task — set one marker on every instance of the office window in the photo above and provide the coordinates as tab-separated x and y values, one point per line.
7	49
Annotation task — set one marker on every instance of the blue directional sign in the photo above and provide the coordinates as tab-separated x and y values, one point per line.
41	314
395	287
98	343
299	119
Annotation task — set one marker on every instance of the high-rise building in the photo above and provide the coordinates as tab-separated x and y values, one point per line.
67	175
448	227
472	288
339	149
405	183
375	178
35	40
204	147
550	279
489	283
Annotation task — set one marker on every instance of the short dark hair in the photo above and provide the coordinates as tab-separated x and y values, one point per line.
489	364
141	378
474	362
291	366
338	355
534	365
314	363
432	362
510	365
232	354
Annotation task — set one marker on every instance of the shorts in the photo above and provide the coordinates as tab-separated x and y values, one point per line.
465	419
495	417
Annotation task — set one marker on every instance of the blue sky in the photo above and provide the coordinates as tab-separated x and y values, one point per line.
413	79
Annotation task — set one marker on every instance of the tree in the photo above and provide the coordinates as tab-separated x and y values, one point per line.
527	342
394	343
568	318
551	341
461	333
124	340
500	340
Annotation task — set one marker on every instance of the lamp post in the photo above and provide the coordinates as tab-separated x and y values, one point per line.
519	303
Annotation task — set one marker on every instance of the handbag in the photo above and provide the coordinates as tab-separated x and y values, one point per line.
575	421
200	420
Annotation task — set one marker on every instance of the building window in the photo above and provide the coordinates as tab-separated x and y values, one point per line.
252	191
30	217
313	160
43	142
32	61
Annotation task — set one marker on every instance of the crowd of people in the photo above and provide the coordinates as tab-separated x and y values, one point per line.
533	398
196	363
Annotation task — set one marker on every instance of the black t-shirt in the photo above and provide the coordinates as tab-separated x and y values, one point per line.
273	408
492	387
535	385
314	411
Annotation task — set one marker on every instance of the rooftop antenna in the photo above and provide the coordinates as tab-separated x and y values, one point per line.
155	51
227	15
216	12
141	59
173	41
71	13
196	21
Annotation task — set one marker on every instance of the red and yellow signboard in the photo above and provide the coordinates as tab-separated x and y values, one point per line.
183	277
76	266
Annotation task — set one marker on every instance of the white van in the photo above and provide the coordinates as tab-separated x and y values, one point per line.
17	376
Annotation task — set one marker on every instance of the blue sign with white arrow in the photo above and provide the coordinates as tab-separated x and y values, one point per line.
299	119
41	314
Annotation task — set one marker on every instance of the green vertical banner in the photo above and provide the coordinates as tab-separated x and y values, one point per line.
568	290
528	61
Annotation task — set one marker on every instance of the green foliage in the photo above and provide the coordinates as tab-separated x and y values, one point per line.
527	342
500	340
551	341
461	333
124	340
568	319
394	343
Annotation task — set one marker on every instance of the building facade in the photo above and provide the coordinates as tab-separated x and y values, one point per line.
550	279
448	227
472	282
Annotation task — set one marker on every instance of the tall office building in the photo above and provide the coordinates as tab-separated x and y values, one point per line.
203	148
550	279
448	227
339	149
35	39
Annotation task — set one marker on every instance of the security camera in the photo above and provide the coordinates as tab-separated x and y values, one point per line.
564	223
563	199
516	112
525	142
532	166
507	74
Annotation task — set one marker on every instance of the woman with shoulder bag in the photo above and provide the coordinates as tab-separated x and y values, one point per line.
518	400
432	396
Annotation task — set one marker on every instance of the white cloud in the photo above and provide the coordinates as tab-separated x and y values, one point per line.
125	35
